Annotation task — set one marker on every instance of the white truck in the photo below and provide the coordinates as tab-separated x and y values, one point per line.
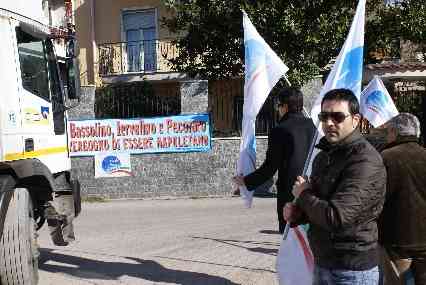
36	90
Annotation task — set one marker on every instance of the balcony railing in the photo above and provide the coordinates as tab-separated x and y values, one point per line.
148	56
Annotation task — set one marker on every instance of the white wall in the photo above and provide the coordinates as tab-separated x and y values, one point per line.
29	8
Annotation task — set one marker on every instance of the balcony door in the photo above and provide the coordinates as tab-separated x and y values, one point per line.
140	32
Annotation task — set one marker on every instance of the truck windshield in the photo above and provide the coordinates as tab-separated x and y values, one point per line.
33	64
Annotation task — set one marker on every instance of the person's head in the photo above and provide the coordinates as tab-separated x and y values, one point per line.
290	100
339	115
402	125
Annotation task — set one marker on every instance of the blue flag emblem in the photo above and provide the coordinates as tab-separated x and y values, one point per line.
254	57
111	163
376	99
351	72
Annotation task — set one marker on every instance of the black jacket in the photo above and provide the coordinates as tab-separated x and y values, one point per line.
348	190
288	146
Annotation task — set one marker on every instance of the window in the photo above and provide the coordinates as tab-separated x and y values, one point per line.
40	74
33	63
140	31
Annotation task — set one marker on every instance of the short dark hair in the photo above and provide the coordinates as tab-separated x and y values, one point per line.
342	94
292	97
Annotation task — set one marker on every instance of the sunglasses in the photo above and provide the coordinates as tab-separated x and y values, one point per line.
336	117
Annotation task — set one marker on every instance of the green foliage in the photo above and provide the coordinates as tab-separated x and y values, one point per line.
386	26
413	22
305	34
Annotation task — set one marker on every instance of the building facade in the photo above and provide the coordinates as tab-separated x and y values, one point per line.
123	41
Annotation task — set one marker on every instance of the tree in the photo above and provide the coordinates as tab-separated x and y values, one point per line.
413	23
396	22
305	34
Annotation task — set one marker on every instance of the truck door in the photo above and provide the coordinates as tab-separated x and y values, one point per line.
10	119
43	122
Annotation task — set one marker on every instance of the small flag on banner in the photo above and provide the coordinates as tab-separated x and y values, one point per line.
376	104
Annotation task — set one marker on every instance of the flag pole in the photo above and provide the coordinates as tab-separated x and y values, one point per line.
286	81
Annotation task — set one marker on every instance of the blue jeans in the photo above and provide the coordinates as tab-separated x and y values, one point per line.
323	276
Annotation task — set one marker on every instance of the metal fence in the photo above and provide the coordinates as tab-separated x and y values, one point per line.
226	98
265	120
138	56
137	99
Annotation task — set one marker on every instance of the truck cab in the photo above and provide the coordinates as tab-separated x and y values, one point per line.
36	90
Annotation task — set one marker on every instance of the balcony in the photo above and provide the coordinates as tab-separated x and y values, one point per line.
149	56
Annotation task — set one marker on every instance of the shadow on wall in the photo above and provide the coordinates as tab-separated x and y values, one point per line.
139	268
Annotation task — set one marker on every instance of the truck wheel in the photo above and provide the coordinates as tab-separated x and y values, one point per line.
18	245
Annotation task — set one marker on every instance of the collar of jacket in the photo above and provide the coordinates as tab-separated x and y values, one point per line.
289	115
402	140
345	143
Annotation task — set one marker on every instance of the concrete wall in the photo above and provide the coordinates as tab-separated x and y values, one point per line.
174	174
194	96
85	109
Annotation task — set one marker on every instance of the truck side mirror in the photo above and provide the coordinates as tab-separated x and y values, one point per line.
73	78
73	72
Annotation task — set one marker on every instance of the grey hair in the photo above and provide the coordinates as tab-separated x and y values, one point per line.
405	124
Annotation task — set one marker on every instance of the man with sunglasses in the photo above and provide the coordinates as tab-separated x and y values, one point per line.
288	146
343	198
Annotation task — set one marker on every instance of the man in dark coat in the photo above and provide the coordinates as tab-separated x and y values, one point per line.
403	220
288	146
343	199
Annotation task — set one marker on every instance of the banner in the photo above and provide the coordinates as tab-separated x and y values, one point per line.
183	133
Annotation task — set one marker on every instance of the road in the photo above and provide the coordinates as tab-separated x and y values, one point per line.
179	241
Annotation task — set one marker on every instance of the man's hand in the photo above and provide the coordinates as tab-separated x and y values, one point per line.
299	186
291	212
239	180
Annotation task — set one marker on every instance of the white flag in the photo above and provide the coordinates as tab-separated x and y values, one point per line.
295	262
263	69
376	103
346	72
